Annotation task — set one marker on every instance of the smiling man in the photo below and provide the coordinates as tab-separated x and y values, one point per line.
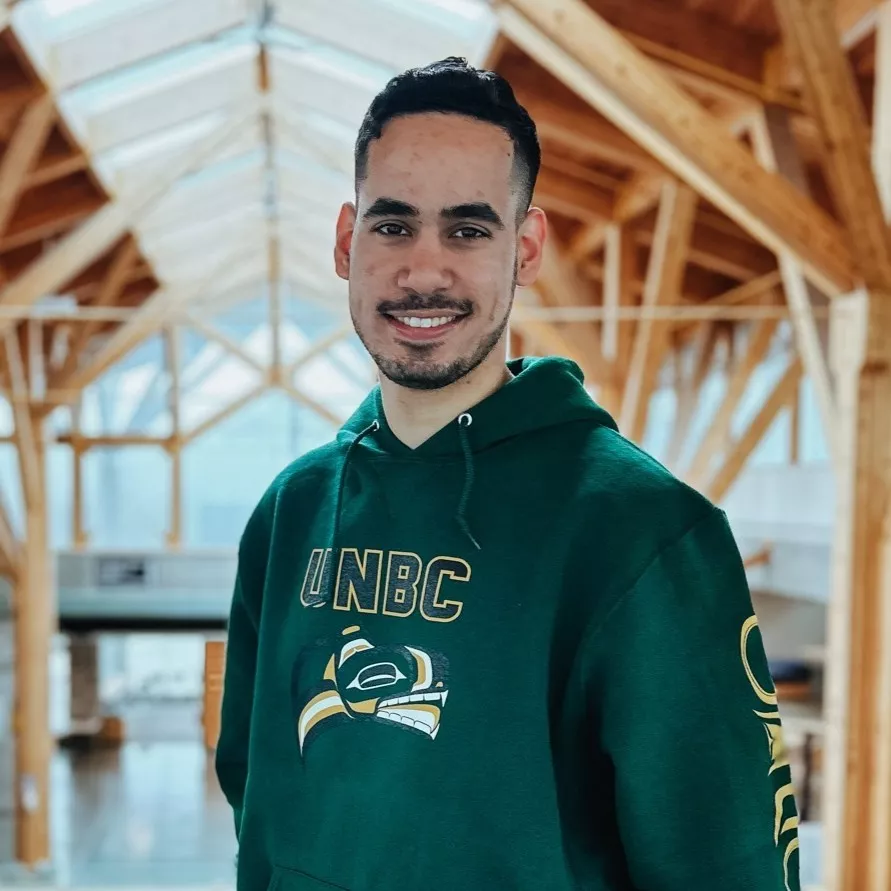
480	640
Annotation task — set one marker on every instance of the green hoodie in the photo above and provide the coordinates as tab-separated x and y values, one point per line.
536	667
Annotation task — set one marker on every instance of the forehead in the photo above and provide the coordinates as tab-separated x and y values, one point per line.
440	159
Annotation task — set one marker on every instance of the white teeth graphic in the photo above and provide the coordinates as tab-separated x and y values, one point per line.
420	722
417	697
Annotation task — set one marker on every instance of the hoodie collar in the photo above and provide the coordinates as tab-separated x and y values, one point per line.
544	392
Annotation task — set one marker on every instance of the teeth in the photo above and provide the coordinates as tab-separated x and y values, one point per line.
416	697
415	322
420	722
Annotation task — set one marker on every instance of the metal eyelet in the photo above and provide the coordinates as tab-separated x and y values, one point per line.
465	420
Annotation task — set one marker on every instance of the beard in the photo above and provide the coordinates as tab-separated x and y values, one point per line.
418	370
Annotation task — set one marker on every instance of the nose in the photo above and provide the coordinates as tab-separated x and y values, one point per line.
425	266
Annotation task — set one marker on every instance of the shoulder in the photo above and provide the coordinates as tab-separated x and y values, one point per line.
615	469
637	506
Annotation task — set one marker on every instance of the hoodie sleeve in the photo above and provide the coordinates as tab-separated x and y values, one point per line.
231	758
687	714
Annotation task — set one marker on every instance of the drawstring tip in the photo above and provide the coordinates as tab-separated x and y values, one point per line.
466	530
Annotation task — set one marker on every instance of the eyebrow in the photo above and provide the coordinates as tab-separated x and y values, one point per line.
390	207
477	210
481	211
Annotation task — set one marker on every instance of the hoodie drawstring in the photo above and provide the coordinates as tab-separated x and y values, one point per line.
373	427
464	421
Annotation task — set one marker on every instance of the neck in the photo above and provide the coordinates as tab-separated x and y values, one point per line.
415	415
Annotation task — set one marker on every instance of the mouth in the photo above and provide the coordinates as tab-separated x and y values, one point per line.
432	325
421	711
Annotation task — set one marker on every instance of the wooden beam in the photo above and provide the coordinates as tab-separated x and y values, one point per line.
638	196
34	612
49	211
307	401
276	308
10	547
21	154
699	49
582	130
743	447
173	356
25	436
724	254
794	426
856	791
682	316
146	320
54	166
318	347
226	412
717	433
775	148
856	20
810	31
84	443
571	197
110	290
592	58
689	388
881	118
665	271
212	333
89	240
857	772
560	285
619	293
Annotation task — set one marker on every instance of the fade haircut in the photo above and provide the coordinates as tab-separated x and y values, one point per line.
452	86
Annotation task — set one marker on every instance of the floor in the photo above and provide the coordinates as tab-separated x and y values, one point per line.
149	813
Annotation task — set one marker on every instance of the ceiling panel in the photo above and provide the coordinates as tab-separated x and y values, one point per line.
323	80
134	35
128	110
396	35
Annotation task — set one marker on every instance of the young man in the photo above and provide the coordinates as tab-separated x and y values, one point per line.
481	641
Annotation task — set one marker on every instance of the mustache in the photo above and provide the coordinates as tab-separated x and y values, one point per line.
418	302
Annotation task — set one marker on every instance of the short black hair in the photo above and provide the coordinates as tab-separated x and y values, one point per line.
452	86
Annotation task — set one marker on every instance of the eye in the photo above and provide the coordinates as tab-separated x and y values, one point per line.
470	233
392	230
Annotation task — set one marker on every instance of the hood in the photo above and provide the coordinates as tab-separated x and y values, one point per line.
544	392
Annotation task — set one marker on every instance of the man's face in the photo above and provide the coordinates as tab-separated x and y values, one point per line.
432	252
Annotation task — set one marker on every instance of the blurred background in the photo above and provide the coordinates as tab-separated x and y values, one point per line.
172	334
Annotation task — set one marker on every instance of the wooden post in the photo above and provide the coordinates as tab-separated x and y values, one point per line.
175	446
668	257
275	310
34	613
78	529
81	539
214	664
857	781
857	773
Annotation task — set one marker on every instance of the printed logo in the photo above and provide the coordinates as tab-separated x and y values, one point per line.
785	833
400	686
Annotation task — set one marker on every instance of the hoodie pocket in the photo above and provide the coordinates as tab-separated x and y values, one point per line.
286	879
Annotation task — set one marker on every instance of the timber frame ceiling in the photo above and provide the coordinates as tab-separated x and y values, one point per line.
161	152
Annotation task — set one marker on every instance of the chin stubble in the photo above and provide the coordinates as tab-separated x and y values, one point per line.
419	372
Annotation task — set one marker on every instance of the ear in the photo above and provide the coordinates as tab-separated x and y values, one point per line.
532	236
346	222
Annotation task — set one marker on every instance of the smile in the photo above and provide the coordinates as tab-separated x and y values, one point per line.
415	322
423	327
